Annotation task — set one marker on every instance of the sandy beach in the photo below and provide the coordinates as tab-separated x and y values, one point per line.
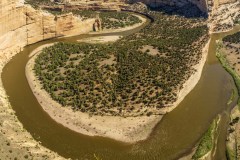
129	129
112	38
192	81
39	49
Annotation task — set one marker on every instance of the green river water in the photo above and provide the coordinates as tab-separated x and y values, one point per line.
175	136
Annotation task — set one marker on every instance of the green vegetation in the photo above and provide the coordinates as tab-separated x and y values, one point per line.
37	3
235	38
226	65
233	95
110	20
231	155
229	69
207	141
125	78
227	44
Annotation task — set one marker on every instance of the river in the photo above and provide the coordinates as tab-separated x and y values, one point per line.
177	133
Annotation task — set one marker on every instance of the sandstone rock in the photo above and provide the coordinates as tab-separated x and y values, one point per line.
35	25
49	26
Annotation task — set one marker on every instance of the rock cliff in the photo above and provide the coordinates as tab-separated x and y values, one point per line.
22	25
224	15
204	5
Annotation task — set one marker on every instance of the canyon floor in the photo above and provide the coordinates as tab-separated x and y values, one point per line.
17	143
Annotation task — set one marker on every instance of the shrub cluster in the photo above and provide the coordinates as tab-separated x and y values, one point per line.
121	78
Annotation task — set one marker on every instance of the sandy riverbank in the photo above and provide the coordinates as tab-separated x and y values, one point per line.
228	54
191	82
129	129
100	39
144	20
39	49
15	141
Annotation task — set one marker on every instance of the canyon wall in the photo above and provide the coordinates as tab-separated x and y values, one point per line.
22	25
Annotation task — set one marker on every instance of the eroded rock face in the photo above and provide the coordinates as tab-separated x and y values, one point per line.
22	25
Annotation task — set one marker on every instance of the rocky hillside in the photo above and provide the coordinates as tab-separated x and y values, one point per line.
225	14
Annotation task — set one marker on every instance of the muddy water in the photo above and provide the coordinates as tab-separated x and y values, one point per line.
174	136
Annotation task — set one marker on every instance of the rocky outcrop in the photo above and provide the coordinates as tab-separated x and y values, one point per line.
22	25
224	15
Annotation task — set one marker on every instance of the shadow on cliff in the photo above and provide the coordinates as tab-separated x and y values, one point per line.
188	11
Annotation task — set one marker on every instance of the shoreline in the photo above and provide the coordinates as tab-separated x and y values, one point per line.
14	137
192	81
234	125
225	31
100	39
144	20
232	138
129	129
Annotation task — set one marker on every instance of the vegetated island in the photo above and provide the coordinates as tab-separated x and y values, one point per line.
121	90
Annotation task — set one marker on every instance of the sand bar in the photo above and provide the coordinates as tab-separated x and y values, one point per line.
143	19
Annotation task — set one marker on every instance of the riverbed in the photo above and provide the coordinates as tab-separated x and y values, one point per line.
177	133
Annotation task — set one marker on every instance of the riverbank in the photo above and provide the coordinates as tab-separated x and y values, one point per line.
126	129
192	81
207	144
143	20
233	134
15	141
129	129
227	52
206	147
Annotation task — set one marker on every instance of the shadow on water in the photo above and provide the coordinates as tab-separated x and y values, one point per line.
175	135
